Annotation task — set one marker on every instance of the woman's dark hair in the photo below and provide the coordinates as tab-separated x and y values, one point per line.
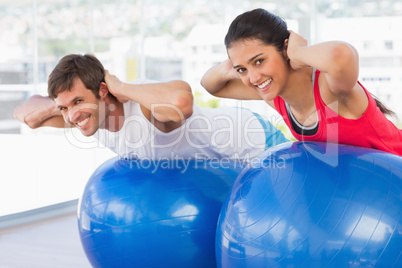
384	109
86	67
258	24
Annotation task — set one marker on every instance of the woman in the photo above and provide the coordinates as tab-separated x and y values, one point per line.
314	88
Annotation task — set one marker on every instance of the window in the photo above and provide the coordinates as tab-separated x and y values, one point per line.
388	45
158	39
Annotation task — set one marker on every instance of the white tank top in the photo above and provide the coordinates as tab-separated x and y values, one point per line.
208	133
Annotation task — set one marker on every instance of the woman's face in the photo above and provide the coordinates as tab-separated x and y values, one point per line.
260	67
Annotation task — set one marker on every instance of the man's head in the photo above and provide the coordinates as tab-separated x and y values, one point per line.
85	67
77	86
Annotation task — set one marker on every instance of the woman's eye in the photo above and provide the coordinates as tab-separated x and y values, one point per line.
78	101
241	70
258	62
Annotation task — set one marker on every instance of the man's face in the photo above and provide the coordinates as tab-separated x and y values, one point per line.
80	108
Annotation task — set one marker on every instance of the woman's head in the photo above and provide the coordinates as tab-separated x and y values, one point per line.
85	67
258	24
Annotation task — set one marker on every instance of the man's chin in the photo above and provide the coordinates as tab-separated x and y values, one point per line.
87	133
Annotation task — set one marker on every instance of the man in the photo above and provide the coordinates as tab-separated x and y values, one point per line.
144	119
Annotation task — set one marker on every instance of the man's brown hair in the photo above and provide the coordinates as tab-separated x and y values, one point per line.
86	67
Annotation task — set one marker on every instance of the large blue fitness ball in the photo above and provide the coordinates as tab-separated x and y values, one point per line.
314	205
154	213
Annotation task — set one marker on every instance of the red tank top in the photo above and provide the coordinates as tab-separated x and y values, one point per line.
371	130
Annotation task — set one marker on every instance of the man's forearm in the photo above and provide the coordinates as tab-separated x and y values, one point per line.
36	110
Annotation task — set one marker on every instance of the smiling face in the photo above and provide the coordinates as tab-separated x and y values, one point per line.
260	67
80	108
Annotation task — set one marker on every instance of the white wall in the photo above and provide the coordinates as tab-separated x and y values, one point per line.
43	169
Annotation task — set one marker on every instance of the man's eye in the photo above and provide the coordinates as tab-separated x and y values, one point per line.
62	109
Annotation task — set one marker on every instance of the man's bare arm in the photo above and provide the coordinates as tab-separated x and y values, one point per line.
39	111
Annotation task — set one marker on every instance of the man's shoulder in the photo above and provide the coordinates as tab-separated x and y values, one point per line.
131	107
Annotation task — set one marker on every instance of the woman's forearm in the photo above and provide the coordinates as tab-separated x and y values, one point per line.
338	60
222	81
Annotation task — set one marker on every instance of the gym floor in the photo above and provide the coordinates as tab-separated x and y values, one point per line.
50	243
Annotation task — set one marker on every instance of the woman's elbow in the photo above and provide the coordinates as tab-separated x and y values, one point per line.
204	83
345	64
345	58
214	91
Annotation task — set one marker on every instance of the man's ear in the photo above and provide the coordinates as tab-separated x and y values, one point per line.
103	91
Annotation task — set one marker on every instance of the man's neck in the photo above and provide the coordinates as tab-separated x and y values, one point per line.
115	118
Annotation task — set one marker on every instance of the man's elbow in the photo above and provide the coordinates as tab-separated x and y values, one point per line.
184	102
25	119
17	114
20	116
31	124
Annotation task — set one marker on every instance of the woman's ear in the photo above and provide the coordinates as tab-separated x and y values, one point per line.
103	91
285	49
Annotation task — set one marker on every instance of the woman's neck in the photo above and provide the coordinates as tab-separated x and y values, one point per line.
299	91
300	97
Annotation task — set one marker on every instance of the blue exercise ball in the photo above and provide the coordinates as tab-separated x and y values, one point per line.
137	213
314	204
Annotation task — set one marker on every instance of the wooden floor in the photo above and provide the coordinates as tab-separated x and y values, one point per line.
52	243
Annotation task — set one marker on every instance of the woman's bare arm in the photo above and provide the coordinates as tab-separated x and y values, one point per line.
222	81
